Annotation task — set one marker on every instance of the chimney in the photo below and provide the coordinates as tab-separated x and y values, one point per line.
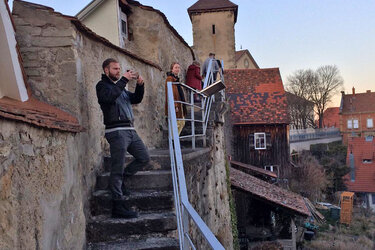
368	91
353	89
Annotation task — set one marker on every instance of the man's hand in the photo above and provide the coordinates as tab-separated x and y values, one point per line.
130	75
140	80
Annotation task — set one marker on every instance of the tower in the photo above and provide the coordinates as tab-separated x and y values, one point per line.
213	29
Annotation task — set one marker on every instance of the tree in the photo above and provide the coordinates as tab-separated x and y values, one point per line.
317	86
328	83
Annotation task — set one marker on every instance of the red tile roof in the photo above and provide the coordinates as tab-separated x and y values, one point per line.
245	51
252	169
213	5
256	96
364	172
38	113
265	191
361	102
331	117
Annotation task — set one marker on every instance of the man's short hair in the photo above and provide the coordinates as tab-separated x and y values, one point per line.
211	54
108	61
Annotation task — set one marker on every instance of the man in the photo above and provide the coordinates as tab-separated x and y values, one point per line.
115	102
214	65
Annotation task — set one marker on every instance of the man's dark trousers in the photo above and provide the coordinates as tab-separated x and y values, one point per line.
121	141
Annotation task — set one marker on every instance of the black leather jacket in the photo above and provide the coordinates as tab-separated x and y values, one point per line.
112	101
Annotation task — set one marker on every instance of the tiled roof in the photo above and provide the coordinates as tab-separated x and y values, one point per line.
213	5
361	102
245	51
331	117
364	172
265	191
256	96
252	169
38	113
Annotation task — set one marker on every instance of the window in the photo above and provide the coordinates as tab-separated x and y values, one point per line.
373	199
370	123
260	140
246	63
369	138
367	161
350	124
213	29
355	123
123	27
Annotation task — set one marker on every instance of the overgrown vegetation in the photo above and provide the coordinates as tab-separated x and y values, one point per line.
307	176
332	157
359	235
232	207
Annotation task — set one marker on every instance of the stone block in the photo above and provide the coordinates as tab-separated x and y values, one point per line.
51	42
57	32
32	72
27	149
31	30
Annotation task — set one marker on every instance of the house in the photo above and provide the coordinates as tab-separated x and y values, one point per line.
331	118
357	114
259	117
140	29
301	112
244	60
361	160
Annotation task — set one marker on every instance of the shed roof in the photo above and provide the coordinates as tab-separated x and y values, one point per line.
253	169
270	193
256	96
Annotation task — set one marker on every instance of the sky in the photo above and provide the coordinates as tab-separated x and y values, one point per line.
288	34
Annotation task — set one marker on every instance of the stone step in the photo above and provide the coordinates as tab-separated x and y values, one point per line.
148	200
164	243
103	228
142	180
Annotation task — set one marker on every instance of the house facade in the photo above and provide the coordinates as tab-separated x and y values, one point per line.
361	160
357	115
259	117
244	60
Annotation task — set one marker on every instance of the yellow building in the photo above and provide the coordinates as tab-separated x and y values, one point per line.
213	30
107	18
244	60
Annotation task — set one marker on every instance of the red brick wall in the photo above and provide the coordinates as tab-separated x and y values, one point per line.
362	129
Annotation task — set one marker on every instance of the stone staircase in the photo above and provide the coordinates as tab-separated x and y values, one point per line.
151	194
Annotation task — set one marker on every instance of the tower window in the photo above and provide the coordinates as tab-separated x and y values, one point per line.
213	29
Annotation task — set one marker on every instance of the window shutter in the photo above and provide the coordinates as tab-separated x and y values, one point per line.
268	140
251	141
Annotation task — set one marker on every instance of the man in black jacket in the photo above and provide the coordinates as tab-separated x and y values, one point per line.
115	102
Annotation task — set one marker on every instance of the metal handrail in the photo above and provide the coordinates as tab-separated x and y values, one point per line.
184	210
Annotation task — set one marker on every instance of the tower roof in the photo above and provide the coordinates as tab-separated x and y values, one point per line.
203	6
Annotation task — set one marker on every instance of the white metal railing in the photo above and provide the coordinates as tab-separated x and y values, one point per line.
184	210
296	135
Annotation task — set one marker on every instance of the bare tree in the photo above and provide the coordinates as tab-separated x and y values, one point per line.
301	109
316	86
329	82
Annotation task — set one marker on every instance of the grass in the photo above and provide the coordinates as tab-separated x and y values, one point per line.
359	235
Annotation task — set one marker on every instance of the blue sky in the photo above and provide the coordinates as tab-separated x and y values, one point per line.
288	34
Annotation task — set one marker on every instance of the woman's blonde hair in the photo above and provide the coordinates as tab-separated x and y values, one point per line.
173	64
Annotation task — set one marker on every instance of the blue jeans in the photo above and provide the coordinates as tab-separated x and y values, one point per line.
119	142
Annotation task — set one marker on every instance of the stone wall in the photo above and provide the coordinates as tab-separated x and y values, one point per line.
42	185
153	39
46	176
222	43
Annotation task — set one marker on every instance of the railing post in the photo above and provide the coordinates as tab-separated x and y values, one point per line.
185	225
192	116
